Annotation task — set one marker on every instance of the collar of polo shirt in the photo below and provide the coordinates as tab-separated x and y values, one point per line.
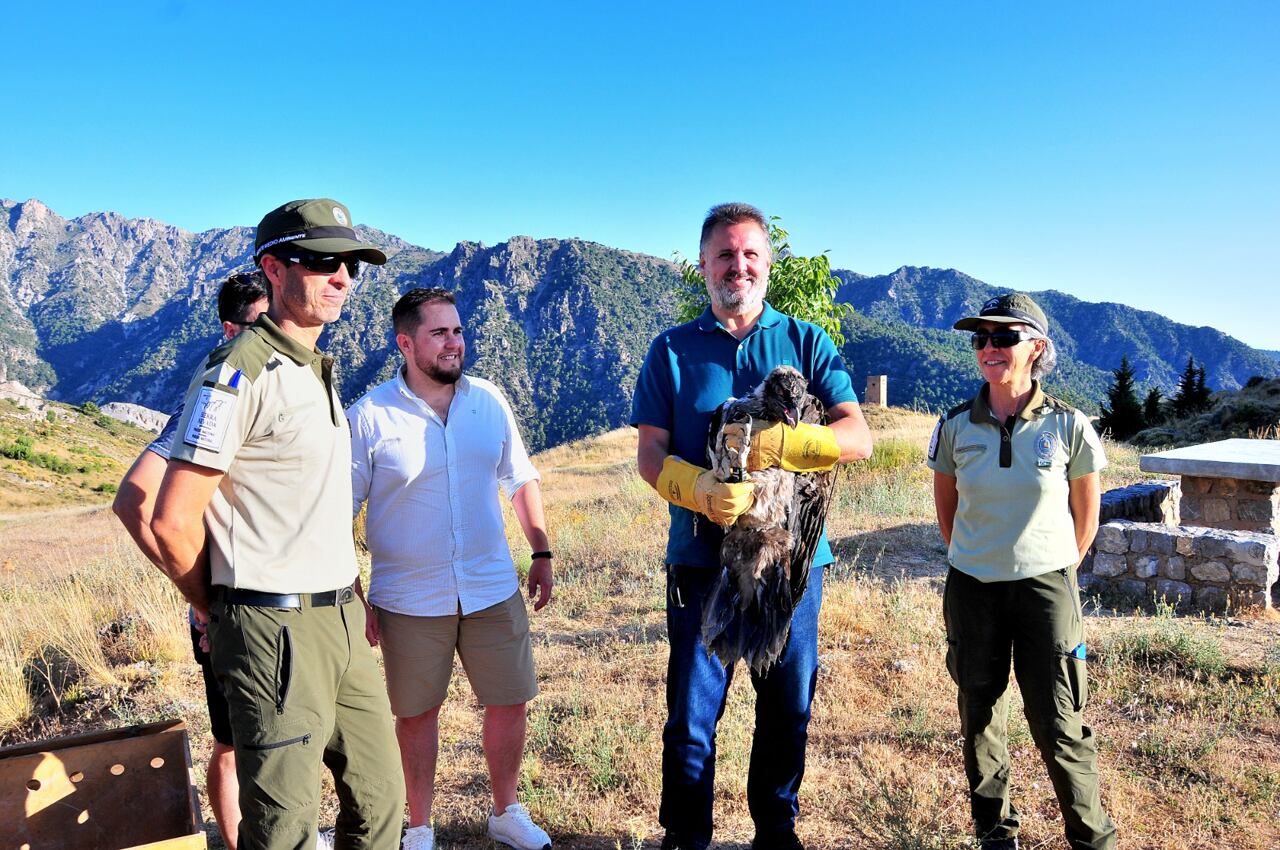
980	411
768	318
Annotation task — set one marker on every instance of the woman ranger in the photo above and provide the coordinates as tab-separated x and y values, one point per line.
1016	489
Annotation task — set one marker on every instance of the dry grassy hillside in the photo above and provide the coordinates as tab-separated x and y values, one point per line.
1187	711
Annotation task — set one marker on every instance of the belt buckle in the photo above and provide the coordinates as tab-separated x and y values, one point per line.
345	595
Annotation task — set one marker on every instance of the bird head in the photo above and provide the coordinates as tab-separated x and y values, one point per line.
782	394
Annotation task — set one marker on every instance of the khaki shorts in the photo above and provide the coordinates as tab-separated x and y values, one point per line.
492	642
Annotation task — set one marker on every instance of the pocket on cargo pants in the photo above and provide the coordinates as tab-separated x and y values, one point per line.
279	766
953	640
1072	680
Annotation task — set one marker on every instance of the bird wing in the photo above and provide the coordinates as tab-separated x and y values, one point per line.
713	433
720	458
808	517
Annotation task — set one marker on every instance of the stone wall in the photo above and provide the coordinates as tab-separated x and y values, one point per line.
1206	568
1231	503
1150	501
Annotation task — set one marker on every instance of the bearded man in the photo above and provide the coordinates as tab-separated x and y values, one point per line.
689	371
429	449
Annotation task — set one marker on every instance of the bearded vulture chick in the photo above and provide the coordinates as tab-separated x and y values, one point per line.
767	553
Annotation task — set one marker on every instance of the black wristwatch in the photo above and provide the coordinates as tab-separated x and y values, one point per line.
545	553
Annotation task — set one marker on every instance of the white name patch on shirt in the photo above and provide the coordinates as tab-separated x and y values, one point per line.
210	418
933	441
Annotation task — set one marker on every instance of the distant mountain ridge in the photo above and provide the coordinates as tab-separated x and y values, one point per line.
916	307
112	309
107	308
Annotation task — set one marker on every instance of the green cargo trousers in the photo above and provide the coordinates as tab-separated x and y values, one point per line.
1036	623
304	689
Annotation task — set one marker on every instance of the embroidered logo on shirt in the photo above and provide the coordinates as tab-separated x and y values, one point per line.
1046	447
210	417
933	441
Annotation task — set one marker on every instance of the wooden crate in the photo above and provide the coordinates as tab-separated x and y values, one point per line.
121	789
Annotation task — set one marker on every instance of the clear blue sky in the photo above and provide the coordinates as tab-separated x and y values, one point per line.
1115	151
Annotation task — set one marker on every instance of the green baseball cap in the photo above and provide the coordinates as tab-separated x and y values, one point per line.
1013	308
318	224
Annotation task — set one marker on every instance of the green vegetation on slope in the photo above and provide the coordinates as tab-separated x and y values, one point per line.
1250	412
61	456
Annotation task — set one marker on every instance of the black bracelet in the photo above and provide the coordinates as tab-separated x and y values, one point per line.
545	553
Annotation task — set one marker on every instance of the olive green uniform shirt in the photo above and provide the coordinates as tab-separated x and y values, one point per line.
1013	519
264	410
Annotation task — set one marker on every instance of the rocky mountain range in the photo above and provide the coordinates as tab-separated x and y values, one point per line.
106	308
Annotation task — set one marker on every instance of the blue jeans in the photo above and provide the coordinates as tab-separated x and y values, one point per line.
697	686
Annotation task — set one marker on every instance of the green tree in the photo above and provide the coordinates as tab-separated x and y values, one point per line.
801	287
1184	400
1122	416
1152	408
1202	391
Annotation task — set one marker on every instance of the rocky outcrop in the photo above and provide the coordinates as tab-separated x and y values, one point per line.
135	414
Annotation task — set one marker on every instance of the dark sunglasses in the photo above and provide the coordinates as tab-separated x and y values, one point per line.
321	263
1000	339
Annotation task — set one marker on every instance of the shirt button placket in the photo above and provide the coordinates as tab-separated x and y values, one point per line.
455	507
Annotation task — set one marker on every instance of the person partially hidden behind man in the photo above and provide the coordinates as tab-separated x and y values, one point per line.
263	425
241	299
429	449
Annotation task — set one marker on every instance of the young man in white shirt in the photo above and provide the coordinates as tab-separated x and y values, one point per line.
429	449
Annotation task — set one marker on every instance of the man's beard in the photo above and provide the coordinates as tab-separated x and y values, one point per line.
735	301
439	374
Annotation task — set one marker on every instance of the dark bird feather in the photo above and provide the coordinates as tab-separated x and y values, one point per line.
766	555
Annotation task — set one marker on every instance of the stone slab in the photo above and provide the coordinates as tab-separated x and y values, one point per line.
1250	460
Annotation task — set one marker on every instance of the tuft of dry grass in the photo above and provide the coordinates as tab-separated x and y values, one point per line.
93	631
15	700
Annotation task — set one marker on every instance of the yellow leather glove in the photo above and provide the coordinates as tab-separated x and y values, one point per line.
804	448
681	483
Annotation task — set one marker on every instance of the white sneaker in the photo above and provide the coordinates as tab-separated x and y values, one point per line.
418	838
324	839
515	828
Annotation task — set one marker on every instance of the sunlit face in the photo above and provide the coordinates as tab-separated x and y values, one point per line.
735	262
1008	365
306	298
436	348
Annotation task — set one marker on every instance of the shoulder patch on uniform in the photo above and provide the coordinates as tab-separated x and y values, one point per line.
247	353
933	441
1056	403
210	416
958	409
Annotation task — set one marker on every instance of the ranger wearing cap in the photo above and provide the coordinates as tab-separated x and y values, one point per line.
263	425
1017	491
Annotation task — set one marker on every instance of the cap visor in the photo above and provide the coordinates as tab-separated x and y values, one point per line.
337	245
971	323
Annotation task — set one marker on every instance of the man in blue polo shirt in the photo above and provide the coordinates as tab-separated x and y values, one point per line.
689	371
